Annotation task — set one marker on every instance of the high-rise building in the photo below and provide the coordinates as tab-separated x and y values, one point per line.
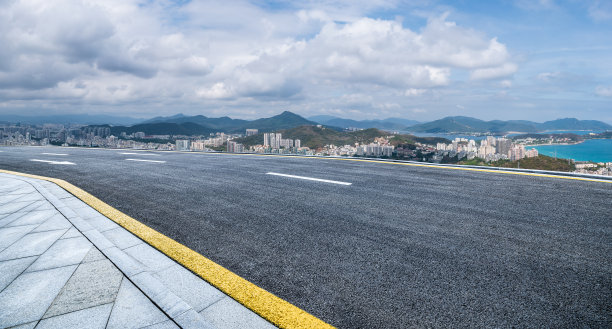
503	145
182	144
267	140
532	153
251	132
234	147
297	143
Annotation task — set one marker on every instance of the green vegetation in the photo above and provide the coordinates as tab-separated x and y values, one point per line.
164	128
540	162
315	137
460	124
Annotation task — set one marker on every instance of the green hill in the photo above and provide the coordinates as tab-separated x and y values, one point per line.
285	120
165	128
315	137
540	162
460	124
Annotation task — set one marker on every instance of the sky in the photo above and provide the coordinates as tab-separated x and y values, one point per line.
359	59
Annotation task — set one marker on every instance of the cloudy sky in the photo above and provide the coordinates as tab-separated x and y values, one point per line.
422	59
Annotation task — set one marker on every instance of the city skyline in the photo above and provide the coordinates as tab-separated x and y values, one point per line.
533	60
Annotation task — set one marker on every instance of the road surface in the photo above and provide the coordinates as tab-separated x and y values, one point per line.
369	245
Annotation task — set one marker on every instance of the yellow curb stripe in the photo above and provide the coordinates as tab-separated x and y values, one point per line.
421	165
272	308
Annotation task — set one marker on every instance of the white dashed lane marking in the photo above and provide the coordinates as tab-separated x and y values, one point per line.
144	160
310	178
133	153
55	154
54	162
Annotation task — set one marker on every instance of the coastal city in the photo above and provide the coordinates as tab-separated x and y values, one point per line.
489	149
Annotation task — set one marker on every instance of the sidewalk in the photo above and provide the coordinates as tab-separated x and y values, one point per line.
64	265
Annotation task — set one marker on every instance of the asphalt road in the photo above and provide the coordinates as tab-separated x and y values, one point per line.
401	247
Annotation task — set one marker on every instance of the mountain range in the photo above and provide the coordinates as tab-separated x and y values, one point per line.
87	119
201	125
460	124
389	123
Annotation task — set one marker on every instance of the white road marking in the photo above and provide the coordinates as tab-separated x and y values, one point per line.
54	162
310	178
55	154
143	160
132	153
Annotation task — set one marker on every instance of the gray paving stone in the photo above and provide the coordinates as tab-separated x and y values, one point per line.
66	211
101	223
74	204
87	212
56	222
34	217
99	240
10	269
93	255
22	190
162	325
191	319
72	233
122	238
92	284
25	325
229	314
91	318
11	198
9	217
79	223
32	244
62	253
154	260
196	292
27	298
163	297
59	192
45	205
125	262
9	184
6	198
9	235
15	206
132	309
30	197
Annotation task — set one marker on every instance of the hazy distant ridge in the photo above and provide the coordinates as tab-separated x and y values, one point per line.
390	123
201	125
459	124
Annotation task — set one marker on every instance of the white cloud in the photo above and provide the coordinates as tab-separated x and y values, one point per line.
600	10
233	54
548	76
505	70
604	91
414	92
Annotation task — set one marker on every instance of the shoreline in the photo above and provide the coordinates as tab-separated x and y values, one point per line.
579	142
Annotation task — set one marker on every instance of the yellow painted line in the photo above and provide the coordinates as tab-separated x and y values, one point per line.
421	165
272	308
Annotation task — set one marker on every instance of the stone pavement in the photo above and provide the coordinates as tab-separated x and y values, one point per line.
64	265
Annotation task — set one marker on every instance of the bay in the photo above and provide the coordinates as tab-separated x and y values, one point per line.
596	150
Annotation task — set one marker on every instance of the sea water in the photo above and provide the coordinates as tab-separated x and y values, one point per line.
596	150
